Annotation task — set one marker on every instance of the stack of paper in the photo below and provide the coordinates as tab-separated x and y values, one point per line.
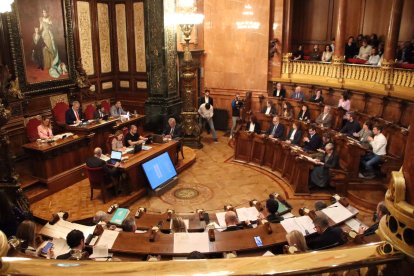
189	242
107	238
220	219
249	213
62	228
355	224
337	212
303	224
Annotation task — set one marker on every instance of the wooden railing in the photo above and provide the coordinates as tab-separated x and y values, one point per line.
367	256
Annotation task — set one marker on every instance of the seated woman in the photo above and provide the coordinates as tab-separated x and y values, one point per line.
298	54
317	98
269	109
26	232
364	133
253	125
304	114
99	112
287	111
364	50
178	225
295	134
297	240
320	174
374	58
118	141
327	54
44	130
315	55
344	102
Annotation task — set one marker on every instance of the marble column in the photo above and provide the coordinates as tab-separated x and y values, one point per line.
340	30
393	30
287	28
161	56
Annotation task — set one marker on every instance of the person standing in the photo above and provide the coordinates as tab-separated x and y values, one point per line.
236	105
206	112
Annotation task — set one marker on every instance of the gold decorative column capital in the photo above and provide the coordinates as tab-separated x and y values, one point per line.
338	59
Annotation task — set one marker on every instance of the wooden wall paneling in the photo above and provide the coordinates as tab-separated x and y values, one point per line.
374	105
376	17
358	101
406	27
392	110
407	113
353	17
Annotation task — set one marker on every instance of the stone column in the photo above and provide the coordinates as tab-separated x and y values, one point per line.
340	30
287	28
161	56
393	30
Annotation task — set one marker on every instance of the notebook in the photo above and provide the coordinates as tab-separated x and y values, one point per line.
116	156
119	216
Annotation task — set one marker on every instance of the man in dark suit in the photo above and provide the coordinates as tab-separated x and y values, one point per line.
172	131
73	115
298	94
313	142
320	174
76	241
272	206
99	112
351	126
277	130
279	91
232	222
381	211
206	98
328	236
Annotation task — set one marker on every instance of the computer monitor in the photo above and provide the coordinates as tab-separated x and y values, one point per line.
159	170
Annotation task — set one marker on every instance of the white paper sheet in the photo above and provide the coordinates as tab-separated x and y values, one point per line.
107	238
303	224
189	242
288	215
249	213
337	212
354	224
268	253
60	247
62	228
99	252
146	147
220	219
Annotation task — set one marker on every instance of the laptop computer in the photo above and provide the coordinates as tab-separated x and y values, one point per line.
116	156
156	138
137	148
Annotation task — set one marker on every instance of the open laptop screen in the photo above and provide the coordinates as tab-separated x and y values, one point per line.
116	155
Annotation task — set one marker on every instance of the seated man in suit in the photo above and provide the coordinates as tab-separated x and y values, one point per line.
381	212
325	118
279	91
313	142
328	236
110	171
294	134
272	205
298	95
172	131
269	109
100	112
76	242
73	115
116	110
232	222
133	138
352	126
253	125
277	130
320	174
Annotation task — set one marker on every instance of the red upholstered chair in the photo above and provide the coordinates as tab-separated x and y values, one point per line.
98	180
109	143
31	127
105	104
89	111
407	66
59	105
357	60
306	57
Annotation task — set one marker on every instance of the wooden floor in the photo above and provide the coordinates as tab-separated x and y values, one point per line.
215	176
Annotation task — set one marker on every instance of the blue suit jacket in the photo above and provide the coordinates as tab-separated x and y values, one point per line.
279	133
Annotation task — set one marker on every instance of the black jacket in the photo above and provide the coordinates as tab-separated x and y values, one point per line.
314	143
296	137
279	133
95	162
236	227
176	133
351	127
70	116
202	100
304	116
331	237
274	218
257	128
282	93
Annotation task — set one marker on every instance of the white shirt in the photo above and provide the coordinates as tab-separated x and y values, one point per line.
251	128
292	136
373	60
324	116
207	99
268	110
206	114
277	93
379	144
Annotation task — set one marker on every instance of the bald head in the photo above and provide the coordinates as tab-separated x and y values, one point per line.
231	218
97	152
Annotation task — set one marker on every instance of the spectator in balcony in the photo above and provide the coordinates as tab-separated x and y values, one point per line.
374	58
304	114
373	40
295	134
253	125
405	54
316	54
364	133
317	98
298	54
380	49
269	109
351	48
344	102
364	50
351	126
328	236
327	54
360	38
296	239
325	118
379	149
320	176
298	94
279	91
287	111
332	44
